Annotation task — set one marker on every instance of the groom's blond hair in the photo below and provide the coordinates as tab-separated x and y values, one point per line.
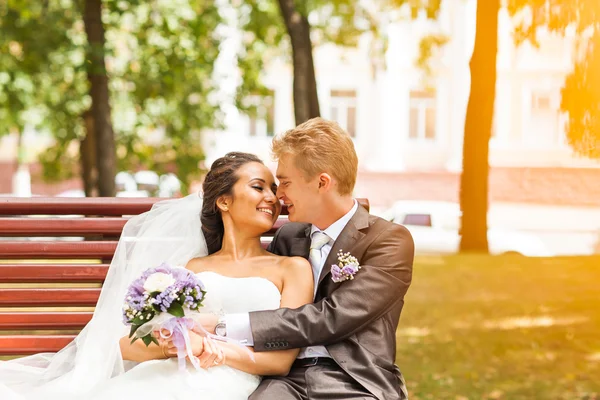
318	146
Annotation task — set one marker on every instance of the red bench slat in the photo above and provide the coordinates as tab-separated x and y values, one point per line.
76	226
41	320
64	250
109	206
80	297
61	226
13	345
102	222
48	273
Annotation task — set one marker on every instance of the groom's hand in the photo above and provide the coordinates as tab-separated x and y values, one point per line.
208	321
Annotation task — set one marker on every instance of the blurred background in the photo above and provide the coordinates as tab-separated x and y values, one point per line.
477	125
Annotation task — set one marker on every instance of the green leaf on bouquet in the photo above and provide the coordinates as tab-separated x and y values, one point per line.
153	340
176	309
148	339
134	327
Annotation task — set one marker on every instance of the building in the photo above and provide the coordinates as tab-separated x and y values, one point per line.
408	127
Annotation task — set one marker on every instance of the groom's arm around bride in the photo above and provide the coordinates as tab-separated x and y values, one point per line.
348	335
343	309
355	319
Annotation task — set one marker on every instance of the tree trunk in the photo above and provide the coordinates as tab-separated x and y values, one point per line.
87	158
20	150
478	127
104	135
306	100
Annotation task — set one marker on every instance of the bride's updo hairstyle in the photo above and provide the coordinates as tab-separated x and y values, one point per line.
219	182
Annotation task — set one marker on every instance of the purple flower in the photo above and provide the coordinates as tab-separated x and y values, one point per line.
187	291
336	273
345	269
350	269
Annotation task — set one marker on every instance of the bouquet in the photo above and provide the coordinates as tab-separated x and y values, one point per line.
164	298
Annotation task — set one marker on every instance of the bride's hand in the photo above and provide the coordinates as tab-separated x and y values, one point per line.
167	346
213	354
196	343
169	349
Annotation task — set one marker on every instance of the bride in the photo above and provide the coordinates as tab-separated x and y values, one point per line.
218	238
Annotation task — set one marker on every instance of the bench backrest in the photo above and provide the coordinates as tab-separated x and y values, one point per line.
54	255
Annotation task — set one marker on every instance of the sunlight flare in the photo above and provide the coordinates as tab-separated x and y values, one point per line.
532	322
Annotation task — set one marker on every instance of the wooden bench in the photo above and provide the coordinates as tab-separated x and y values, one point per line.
54	256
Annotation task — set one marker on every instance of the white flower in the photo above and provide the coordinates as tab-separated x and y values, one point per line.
158	282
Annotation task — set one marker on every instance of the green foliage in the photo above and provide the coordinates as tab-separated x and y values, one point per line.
555	15
42	81
340	22
428	45
581	93
162	80
431	7
581	99
160	62
265	36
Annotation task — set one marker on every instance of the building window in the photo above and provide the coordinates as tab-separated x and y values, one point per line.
422	116
343	109
262	114
544	123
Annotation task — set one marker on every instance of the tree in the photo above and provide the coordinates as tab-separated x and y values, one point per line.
101	135
478	128
282	27
159	59
306	101
164	84
556	16
41	74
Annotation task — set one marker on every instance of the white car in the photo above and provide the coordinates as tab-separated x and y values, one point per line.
435	227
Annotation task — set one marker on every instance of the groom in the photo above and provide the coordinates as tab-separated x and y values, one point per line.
348	335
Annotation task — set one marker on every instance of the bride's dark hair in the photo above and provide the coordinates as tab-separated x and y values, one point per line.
219	182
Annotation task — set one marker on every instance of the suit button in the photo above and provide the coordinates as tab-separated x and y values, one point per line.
268	345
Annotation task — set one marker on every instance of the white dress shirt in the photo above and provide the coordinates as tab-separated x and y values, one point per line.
238	325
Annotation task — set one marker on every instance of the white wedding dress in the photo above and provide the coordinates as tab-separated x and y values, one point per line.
162	380
91	366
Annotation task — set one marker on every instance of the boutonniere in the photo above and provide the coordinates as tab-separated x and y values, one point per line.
345	269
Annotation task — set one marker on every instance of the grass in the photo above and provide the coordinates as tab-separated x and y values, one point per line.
480	327
506	327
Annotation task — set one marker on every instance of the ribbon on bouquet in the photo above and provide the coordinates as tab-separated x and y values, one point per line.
226	340
178	331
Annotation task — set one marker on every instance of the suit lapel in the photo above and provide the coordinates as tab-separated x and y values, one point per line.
345	242
300	246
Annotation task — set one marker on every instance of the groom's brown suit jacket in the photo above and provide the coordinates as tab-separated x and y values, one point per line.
357	319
